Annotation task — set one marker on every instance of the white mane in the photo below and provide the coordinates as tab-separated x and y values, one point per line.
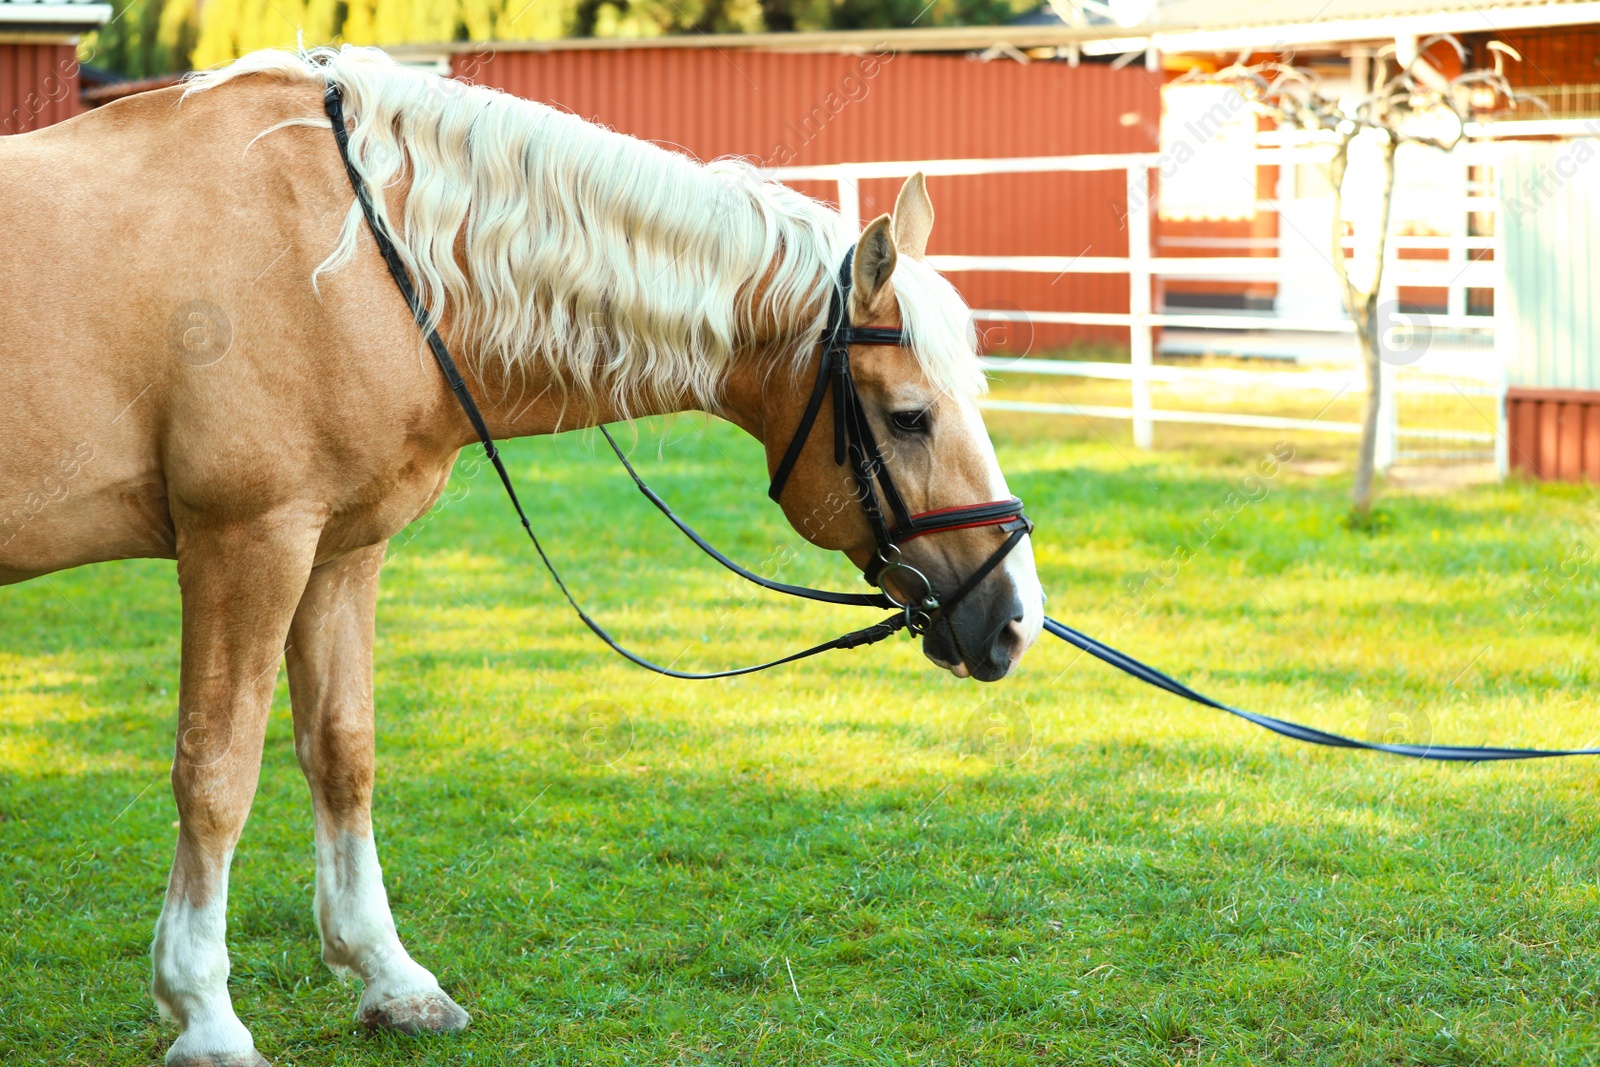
626	268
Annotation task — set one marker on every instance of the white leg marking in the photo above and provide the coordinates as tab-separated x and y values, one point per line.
358	935
190	958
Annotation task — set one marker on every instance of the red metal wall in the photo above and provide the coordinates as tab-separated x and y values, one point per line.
1555	433
783	108
38	85
1568	55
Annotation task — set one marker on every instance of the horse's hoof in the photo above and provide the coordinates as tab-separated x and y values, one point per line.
419	1013
227	1059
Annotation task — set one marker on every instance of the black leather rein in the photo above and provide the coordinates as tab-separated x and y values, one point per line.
854	444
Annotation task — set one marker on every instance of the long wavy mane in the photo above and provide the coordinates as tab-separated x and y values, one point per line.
625	268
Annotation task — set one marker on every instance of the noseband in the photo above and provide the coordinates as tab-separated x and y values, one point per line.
855	445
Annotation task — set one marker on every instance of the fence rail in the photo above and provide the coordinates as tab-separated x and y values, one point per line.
1463	269
1572	101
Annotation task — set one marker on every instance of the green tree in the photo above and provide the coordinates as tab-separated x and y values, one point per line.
147	37
143	38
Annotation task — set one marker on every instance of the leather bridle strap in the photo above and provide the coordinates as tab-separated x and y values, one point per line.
331	103
447	366
826	596
964	517
1298	731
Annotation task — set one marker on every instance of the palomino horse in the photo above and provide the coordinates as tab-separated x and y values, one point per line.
245	393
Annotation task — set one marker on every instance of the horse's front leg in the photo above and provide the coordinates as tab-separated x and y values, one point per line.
240	584
330	686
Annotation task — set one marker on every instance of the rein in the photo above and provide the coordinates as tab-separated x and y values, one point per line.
854	444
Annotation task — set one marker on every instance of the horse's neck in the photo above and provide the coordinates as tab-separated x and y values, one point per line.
527	401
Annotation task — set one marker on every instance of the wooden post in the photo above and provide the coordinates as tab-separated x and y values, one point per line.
1388	443
1505	324
1141	347
1458	255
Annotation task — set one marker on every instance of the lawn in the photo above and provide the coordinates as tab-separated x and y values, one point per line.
860	860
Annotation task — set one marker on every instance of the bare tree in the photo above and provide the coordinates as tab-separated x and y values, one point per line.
1413	103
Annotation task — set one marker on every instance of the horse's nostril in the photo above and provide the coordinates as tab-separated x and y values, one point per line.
1010	641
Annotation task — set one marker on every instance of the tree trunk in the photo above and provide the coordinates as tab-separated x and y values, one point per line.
1367	327
1363	308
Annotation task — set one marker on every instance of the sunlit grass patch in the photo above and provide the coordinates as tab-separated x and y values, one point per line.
863	860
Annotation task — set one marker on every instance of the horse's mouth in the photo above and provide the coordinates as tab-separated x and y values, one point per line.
989	672
958	669
986	649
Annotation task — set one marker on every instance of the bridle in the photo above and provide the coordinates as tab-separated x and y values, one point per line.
855	445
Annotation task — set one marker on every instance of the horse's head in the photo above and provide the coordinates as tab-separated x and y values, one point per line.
919	401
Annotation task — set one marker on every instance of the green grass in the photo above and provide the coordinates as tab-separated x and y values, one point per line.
863	861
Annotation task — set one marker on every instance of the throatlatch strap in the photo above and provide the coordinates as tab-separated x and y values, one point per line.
808	419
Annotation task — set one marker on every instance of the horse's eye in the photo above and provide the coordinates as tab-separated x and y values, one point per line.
910	421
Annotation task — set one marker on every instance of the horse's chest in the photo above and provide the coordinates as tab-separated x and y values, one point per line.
384	508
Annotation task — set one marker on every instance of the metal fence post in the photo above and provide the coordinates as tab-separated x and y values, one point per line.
1141	344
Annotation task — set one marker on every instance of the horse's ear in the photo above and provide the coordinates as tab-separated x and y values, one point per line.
913	217
874	262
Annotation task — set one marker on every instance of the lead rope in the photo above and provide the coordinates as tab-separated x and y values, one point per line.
1310	734
871	634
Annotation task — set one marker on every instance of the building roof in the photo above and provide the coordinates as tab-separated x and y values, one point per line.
1223	25
1173	26
1232	14
936	39
51	17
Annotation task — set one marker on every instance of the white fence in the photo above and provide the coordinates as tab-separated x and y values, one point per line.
1457	273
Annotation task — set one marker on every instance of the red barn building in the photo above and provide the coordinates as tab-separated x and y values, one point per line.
805	99
995	93
39	60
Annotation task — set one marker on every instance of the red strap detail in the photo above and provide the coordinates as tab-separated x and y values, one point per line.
1002	520
962	507
995	521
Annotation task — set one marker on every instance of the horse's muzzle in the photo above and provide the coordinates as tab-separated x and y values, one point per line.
983	637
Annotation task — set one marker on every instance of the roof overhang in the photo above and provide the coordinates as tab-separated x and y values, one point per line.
1089	40
850	42
33	19
1267	38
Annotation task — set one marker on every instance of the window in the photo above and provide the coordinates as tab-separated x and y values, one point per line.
1208	140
